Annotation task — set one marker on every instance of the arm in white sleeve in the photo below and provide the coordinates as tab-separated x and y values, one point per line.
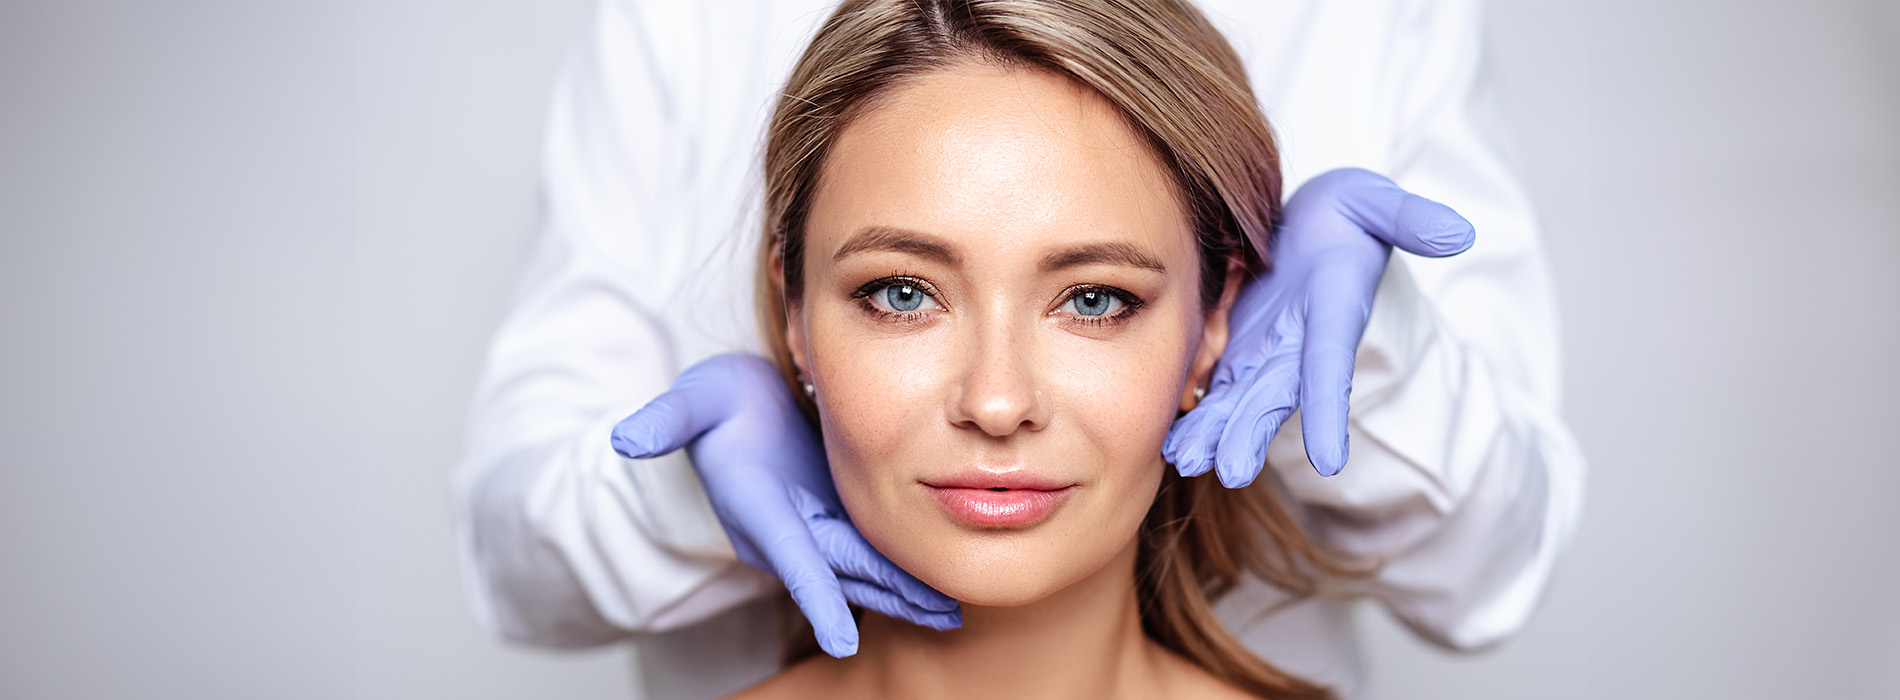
1463	478
564	543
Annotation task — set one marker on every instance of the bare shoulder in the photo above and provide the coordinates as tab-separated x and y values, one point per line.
816	677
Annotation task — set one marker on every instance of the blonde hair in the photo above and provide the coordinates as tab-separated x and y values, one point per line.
1178	84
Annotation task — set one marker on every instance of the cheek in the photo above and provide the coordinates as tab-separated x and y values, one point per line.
878	398
1124	395
872	397
1122	404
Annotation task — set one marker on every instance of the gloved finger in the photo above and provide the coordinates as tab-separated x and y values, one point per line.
1199	431
1191	440
1403	220
665	424
892	605
1181	428
1256	417
1334	326
1190	443
853	557
794	557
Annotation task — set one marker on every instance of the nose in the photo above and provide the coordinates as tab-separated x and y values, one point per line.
998	393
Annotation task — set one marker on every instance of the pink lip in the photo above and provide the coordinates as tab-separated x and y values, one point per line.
999	499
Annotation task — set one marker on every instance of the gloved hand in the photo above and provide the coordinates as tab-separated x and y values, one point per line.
1295	329
768	480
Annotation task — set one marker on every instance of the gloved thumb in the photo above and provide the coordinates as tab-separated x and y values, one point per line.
665	424
1403	220
1424	227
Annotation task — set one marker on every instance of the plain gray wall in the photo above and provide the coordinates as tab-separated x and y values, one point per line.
250	255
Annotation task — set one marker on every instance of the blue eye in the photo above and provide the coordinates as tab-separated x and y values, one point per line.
1093	303
903	297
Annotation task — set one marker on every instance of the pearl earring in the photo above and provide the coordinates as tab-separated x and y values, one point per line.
811	392
1200	392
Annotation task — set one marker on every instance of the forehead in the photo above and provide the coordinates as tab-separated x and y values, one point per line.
1000	161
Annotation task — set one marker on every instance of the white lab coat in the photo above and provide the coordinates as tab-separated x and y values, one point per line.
1462	476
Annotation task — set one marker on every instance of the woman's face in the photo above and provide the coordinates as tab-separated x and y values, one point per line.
1002	316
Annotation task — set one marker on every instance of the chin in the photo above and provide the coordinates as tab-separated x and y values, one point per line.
1005	568
998	575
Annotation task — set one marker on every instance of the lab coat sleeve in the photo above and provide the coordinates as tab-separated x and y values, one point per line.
1463	479
565	543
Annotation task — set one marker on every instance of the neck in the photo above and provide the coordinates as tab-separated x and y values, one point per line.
1084	641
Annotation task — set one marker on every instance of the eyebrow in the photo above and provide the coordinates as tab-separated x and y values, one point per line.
897	240
1102	253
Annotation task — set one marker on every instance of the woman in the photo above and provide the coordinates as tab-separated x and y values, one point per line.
1002	242
1462	481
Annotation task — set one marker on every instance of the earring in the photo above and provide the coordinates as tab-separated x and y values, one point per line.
1200	392
811	392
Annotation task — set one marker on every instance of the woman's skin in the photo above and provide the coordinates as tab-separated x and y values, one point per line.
1002	289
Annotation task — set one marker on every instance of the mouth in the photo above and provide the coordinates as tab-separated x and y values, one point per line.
1000	500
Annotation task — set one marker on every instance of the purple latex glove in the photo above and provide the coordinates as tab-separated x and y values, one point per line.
1295	329
767	478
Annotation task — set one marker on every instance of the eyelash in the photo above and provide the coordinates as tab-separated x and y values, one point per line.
1130	303
863	297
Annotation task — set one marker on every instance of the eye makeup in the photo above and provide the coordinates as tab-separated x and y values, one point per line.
1080	294
880	298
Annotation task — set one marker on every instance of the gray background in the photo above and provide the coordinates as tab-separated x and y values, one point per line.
250	254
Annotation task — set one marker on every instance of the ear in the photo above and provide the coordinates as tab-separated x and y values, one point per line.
794	315
1214	334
